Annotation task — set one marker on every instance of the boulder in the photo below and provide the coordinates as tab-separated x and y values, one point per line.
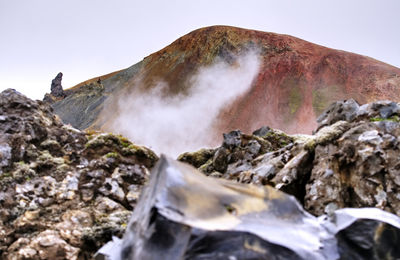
183	214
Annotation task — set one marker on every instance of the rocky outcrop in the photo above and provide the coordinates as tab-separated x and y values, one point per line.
57	93
352	160
296	82
63	192
237	152
56	87
184	215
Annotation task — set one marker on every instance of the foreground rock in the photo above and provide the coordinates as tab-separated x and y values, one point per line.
239	221
353	159
63	192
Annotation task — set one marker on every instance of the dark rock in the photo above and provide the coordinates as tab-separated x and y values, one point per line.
243	222
389	110
341	110
369	239
262	131
227	245
232	139
56	87
237	152
253	147
220	159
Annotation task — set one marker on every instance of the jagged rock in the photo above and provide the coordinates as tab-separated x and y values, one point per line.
239	221
63	192
338	111
232	139
237	152
56	91
56	87
352	160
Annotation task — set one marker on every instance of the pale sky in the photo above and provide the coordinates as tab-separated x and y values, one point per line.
88	38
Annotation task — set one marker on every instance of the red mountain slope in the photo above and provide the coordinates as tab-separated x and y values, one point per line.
297	80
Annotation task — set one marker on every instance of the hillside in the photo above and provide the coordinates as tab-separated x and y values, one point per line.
296	80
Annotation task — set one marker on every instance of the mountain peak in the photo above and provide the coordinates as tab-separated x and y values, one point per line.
294	82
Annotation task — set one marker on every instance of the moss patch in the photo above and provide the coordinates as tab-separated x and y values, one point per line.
379	119
323	97
277	139
295	99
112	155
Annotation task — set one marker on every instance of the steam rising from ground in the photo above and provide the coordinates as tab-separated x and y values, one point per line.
183	122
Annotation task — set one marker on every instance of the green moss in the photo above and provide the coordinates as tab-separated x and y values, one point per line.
310	145
197	158
278	139
377	119
392	119
131	149
125	144
118	145
295	99
292	97
110	140
205	168
112	155
123	141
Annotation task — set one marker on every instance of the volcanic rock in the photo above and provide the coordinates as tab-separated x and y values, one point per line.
57	92
352	160
56	87
239	221
63	192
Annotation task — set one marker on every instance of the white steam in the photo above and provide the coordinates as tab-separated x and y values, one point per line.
181	123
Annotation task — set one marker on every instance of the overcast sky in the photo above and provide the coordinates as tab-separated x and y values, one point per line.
88	38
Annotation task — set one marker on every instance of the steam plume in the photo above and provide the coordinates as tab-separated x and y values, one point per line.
183	122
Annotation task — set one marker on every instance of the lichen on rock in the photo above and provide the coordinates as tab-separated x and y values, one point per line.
62	195
352	160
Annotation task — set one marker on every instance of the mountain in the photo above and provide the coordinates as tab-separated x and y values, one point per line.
295	82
